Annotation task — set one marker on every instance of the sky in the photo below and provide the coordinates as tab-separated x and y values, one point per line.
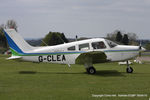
85	18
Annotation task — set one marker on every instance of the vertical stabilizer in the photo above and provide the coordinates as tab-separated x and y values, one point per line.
16	43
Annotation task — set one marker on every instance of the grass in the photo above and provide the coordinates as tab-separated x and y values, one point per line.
146	54
43	81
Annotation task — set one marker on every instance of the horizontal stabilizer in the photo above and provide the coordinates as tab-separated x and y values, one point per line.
14	57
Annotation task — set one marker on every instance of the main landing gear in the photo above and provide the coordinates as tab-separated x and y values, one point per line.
129	69
91	70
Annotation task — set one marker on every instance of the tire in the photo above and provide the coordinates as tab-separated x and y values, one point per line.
129	70
91	70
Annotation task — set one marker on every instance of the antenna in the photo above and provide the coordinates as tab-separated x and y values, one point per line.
76	38
44	42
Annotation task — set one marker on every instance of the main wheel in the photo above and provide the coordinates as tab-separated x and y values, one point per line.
91	70
129	70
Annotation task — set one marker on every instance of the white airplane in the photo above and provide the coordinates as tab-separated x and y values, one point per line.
87	52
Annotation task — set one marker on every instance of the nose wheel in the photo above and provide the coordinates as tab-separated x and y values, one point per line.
129	69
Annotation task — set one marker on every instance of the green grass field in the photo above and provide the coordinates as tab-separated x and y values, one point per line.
43	81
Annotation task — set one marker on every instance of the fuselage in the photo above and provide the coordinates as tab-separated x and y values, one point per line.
68	52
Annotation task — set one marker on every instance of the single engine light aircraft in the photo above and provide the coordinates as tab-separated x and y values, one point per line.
86	52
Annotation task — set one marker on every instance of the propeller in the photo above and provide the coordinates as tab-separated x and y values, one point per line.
140	49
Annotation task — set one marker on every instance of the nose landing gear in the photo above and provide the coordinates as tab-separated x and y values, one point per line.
129	69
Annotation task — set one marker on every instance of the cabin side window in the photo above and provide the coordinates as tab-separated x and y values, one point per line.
84	46
98	45
72	48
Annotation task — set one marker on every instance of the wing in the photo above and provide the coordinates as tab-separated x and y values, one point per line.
91	57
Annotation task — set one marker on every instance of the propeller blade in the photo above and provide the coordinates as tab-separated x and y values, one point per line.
140	48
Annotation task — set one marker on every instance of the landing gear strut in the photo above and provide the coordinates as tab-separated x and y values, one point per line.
129	69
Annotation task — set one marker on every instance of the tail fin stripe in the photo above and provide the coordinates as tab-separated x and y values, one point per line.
12	44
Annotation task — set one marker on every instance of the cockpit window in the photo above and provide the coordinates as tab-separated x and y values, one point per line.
111	44
98	45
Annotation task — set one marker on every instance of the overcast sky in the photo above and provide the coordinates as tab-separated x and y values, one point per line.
85	18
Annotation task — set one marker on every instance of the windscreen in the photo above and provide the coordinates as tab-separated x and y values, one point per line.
111	43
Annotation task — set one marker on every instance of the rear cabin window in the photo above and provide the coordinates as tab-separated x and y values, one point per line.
98	45
84	46
71	48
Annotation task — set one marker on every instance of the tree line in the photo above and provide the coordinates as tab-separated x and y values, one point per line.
122	37
54	38
9	24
